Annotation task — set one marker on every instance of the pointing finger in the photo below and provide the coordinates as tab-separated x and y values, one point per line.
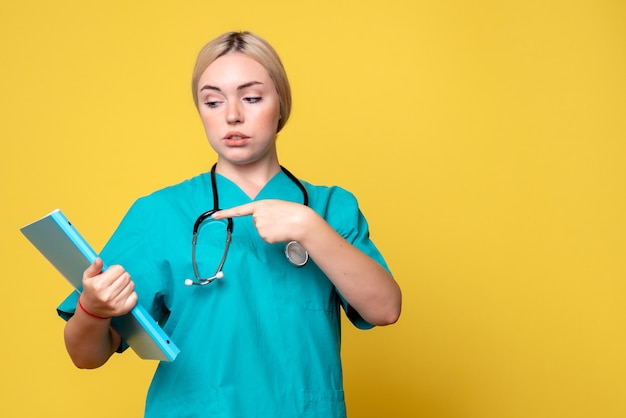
243	210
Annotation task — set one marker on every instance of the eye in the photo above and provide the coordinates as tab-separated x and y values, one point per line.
211	104
252	99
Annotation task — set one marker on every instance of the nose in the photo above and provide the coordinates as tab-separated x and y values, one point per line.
234	114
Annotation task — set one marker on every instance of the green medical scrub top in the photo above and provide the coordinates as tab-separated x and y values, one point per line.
262	342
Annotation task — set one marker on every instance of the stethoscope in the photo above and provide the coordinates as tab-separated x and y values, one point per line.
295	253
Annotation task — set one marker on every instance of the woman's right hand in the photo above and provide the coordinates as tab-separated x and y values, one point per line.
107	293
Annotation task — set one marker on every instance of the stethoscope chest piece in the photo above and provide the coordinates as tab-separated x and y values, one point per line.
296	254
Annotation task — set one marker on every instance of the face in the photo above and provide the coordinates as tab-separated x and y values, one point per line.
240	109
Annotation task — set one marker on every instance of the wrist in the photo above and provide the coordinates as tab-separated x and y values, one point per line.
93	315
310	228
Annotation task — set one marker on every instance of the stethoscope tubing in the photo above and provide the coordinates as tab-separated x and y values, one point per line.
294	252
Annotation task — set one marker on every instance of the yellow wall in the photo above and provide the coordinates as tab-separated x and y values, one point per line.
486	141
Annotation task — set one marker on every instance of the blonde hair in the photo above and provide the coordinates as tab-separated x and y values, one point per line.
256	48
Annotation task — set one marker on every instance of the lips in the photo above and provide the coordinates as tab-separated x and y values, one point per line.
235	136
234	139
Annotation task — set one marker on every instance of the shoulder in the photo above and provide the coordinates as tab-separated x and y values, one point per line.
330	196
186	188
188	195
338	206
328	192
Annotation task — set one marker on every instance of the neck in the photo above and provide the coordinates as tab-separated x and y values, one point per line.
250	178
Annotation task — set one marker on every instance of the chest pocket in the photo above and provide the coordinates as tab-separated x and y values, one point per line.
306	286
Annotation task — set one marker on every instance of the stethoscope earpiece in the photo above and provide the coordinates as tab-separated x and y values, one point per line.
203	282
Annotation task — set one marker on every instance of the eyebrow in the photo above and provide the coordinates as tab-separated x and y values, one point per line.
239	88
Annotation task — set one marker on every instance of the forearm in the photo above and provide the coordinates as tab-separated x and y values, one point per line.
362	281
89	341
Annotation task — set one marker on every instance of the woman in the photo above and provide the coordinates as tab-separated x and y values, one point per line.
263	341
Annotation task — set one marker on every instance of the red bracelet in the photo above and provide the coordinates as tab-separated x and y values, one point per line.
89	313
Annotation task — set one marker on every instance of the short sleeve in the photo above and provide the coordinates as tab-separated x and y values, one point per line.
342	212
